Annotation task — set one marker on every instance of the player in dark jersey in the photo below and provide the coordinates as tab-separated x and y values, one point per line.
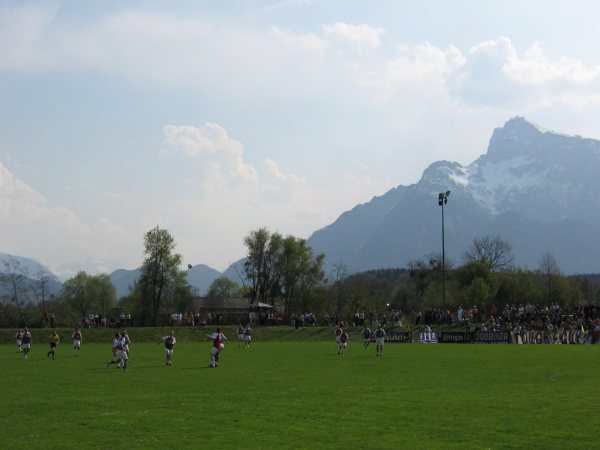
169	341
77	338
53	339
26	343
366	335
247	336
19	339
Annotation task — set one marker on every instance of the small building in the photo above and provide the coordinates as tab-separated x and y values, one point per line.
231	310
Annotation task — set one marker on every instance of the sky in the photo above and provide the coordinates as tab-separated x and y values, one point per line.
213	119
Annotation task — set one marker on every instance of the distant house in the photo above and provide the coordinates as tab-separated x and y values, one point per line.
231	310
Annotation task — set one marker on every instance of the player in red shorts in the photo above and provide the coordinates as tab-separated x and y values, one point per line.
218	344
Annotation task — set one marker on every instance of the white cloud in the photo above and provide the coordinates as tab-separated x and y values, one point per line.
54	234
357	35
535	69
223	157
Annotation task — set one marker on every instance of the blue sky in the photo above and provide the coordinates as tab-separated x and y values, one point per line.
212	119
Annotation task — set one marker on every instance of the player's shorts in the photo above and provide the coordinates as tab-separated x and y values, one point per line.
168	351
122	354
214	350
27	346
342	344
19	342
379	341
76	343
337	339
240	337
247	338
52	344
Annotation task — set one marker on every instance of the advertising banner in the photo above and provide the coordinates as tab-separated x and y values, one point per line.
455	337
398	337
428	337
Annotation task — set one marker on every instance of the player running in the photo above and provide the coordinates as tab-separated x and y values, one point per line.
247	336
169	341
121	352
77	338
115	343
240	335
126	341
379	339
26	343
218	344
366	335
53	339
338	333
343	342
19	339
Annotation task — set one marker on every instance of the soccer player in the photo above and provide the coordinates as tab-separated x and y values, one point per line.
338	333
126	342
343	342
19	338
169	341
121	352
218	344
115	343
366	335
77	338
247	336
240	335
26	343
54	339
379	339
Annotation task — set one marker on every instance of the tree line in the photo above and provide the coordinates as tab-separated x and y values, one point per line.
285	272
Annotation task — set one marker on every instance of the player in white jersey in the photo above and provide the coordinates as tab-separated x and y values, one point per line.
218	344
379	340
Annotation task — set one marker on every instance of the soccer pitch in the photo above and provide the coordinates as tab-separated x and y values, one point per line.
303	395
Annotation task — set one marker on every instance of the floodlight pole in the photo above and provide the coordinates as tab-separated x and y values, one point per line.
442	200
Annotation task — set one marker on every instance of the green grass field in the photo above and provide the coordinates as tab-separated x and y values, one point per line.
293	394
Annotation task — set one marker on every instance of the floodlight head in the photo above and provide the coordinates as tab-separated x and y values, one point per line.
447	194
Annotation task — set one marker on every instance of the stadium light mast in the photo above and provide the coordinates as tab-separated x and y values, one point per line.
442	200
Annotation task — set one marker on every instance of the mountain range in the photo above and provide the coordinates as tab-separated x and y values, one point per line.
536	189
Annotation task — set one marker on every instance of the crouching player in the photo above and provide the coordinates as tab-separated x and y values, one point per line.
169	344
218	344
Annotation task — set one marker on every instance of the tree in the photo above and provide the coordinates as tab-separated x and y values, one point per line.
159	274
550	270
340	274
491	250
261	265
87	294
223	287
75	291
301	272
14	279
